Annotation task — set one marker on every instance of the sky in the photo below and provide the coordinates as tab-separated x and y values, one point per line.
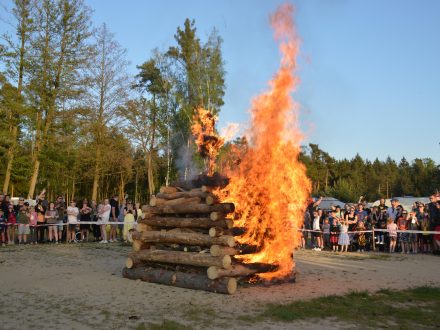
369	70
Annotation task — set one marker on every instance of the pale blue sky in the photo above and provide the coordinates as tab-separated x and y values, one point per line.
369	70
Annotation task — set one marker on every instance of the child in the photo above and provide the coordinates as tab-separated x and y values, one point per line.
344	240
392	231
326	232
129	218
361	236
51	217
402	224
334	234
2	227
317	231
33	225
23	225
414	225
72	219
12	221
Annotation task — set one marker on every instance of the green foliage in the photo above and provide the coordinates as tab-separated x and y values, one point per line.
347	180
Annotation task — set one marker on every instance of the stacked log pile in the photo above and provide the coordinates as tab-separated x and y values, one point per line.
184	239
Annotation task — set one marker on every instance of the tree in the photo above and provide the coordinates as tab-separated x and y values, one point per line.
108	89
199	75
16	62
59	54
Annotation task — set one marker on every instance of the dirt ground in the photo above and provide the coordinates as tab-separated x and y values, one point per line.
80	287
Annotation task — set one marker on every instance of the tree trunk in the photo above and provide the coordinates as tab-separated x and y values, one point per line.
177	257
183	238
96	172
10	157
174	222
185	194
182	280
34	177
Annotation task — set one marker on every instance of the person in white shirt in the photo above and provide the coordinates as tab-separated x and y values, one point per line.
72	219
317	234
103	217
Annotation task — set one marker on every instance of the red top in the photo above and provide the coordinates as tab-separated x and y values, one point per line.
12	218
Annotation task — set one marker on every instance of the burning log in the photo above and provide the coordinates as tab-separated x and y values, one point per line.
182	280
178	257
155	201
183	238
222	208
173	222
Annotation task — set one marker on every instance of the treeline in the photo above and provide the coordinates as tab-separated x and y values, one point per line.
73	121
347	180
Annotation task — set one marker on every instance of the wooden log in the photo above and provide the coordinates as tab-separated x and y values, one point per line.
223	208
141	227
176	222
215	272
139	245
218	250
184	194
208	188
183	238
168	190
182	280
211	199
216	216
155	201
178	257
219	231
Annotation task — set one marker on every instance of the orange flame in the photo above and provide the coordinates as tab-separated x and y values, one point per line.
269	186
207	141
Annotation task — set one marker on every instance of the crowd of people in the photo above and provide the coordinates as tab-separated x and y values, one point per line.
52	222
356	227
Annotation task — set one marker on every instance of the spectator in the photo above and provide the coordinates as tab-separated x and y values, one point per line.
114	217
95	227
104	215
334	233
326	233
3	227
129	219
316	234
121	217
426	238
393	211
41	221
12	221
351	220
51	217
414	225
85	216
60	206
33	225
402	225
23	225
72	219
436	223
361	236
382	205
344	240
392	231
361	214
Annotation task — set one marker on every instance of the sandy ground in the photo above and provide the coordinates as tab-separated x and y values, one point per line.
80	287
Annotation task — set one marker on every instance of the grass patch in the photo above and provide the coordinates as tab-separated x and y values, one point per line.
418	307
